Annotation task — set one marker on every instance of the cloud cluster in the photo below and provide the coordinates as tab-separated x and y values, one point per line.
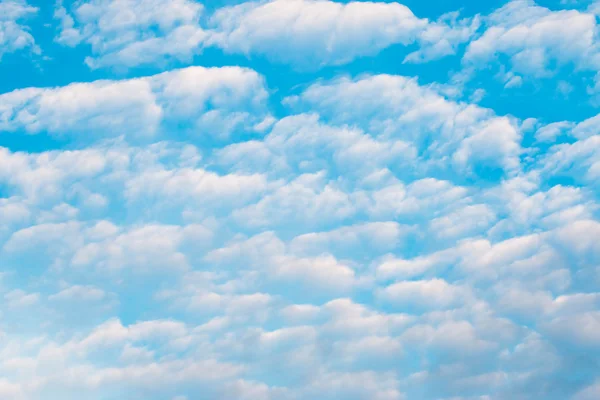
531	42
215	101
329	244
203	233
14	35
130	33
524	41
396	107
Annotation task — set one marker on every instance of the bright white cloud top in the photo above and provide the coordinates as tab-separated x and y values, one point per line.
299	199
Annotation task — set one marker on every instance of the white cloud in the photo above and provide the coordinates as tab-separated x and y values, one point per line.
388	242
178	186
45	237
370	236
14	36
450	339
389	106
19	299
435	293
13	213
423	197
534	258
330	33
579	161
321	273
209	101
79	293
536	40
308	32
67	367
268	254
355	386
129	33
43	176
577	329
305	200
548	133
350	319
145	249
467	221
392	267
57	186
442	38
527	207
103	250
589	393
10	390
303	143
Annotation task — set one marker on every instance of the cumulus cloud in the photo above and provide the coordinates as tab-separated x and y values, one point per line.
268	254
577	161
329	33
442	38
217	101
127	34
536	42
389	106
434	293
109	249
370	237
130	33
373	237
320	32
79	293
305	143
14	35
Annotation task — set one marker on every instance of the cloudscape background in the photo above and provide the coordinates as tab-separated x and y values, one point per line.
299	200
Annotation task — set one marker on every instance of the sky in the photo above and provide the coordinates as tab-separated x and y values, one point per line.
299	200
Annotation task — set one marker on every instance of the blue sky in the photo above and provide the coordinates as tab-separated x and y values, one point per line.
299	199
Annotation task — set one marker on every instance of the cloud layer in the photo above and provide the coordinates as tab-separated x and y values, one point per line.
300	216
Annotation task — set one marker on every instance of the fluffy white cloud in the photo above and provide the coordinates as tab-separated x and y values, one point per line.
306	144
63	367
579	161
534	257
330	33
466	221
386	242
79	293
307	199
435	293
18	298
106	249
15	36
371	237
209	101
129	33
537	41
145	248
578	330
442	38
45	175
474	139
308	32
268	254
207	188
